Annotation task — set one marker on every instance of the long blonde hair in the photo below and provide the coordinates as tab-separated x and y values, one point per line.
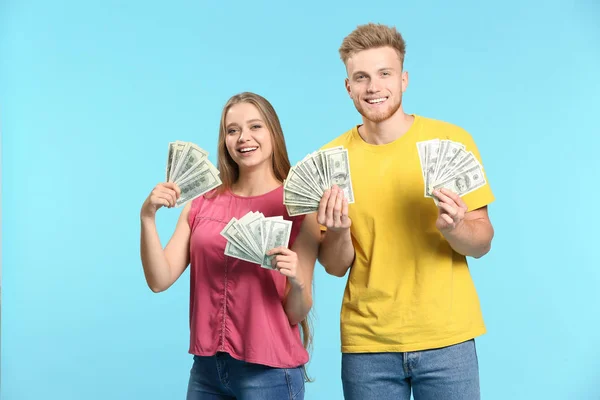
230	172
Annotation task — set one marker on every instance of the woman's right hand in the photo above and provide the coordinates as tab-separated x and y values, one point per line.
163	194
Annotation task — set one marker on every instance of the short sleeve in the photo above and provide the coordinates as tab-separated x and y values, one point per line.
483	195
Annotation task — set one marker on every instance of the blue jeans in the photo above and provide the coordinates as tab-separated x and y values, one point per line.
449	373
223	377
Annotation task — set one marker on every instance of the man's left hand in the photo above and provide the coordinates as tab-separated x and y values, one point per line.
451	210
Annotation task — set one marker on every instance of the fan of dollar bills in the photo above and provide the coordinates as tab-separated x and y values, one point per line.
250	237
447	164
188	166
308	179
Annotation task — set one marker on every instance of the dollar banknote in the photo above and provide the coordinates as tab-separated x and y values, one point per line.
197	184
191	158
277	234
448	164
251	236
308	179
463	182
189	167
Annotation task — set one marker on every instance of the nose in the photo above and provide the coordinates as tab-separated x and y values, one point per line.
373	86
241	137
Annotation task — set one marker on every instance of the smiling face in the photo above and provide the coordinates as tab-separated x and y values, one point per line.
248	140
376	82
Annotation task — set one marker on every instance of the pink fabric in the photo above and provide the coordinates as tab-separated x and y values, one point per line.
237	306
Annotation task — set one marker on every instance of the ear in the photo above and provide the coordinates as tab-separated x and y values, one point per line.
347	84
404	81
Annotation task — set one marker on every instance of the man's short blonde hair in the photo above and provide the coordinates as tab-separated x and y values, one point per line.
371	36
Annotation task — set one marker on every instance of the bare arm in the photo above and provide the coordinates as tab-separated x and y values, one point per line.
473	236
162	267
468	233
298	264
336	253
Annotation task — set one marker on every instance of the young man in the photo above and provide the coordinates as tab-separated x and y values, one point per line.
410	311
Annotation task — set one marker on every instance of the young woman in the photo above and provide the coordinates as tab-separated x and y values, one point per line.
244	320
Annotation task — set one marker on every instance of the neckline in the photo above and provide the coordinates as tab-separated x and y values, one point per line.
255	196
384	147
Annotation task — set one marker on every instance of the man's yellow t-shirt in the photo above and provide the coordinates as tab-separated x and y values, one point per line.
407	289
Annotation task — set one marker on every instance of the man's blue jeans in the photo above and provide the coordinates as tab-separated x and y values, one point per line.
449	373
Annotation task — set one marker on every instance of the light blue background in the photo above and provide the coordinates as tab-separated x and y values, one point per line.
91	92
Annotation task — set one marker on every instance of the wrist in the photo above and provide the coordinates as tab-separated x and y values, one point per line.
455	231
148	212
297	285
147	217
338	234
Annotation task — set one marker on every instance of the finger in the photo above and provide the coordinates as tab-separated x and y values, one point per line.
279	250
173	186
337	209
454	196
321	213
162	192
345	209
171	195
287	272
281	259
284	265
277	253
157	194
445	199
452	212
159	201
448	219
461	203
331	206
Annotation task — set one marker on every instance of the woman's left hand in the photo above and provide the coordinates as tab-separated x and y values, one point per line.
286	262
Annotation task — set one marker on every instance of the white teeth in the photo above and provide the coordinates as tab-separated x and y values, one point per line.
247	149
374	101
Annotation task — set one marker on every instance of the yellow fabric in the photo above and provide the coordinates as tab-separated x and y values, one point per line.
407	289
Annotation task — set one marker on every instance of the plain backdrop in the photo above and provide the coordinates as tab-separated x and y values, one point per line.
91	92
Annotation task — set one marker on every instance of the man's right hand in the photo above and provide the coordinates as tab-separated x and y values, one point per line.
333	210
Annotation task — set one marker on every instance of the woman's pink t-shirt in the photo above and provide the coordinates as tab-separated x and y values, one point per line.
237	306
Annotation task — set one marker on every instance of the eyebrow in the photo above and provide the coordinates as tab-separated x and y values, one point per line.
379	70
249	121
